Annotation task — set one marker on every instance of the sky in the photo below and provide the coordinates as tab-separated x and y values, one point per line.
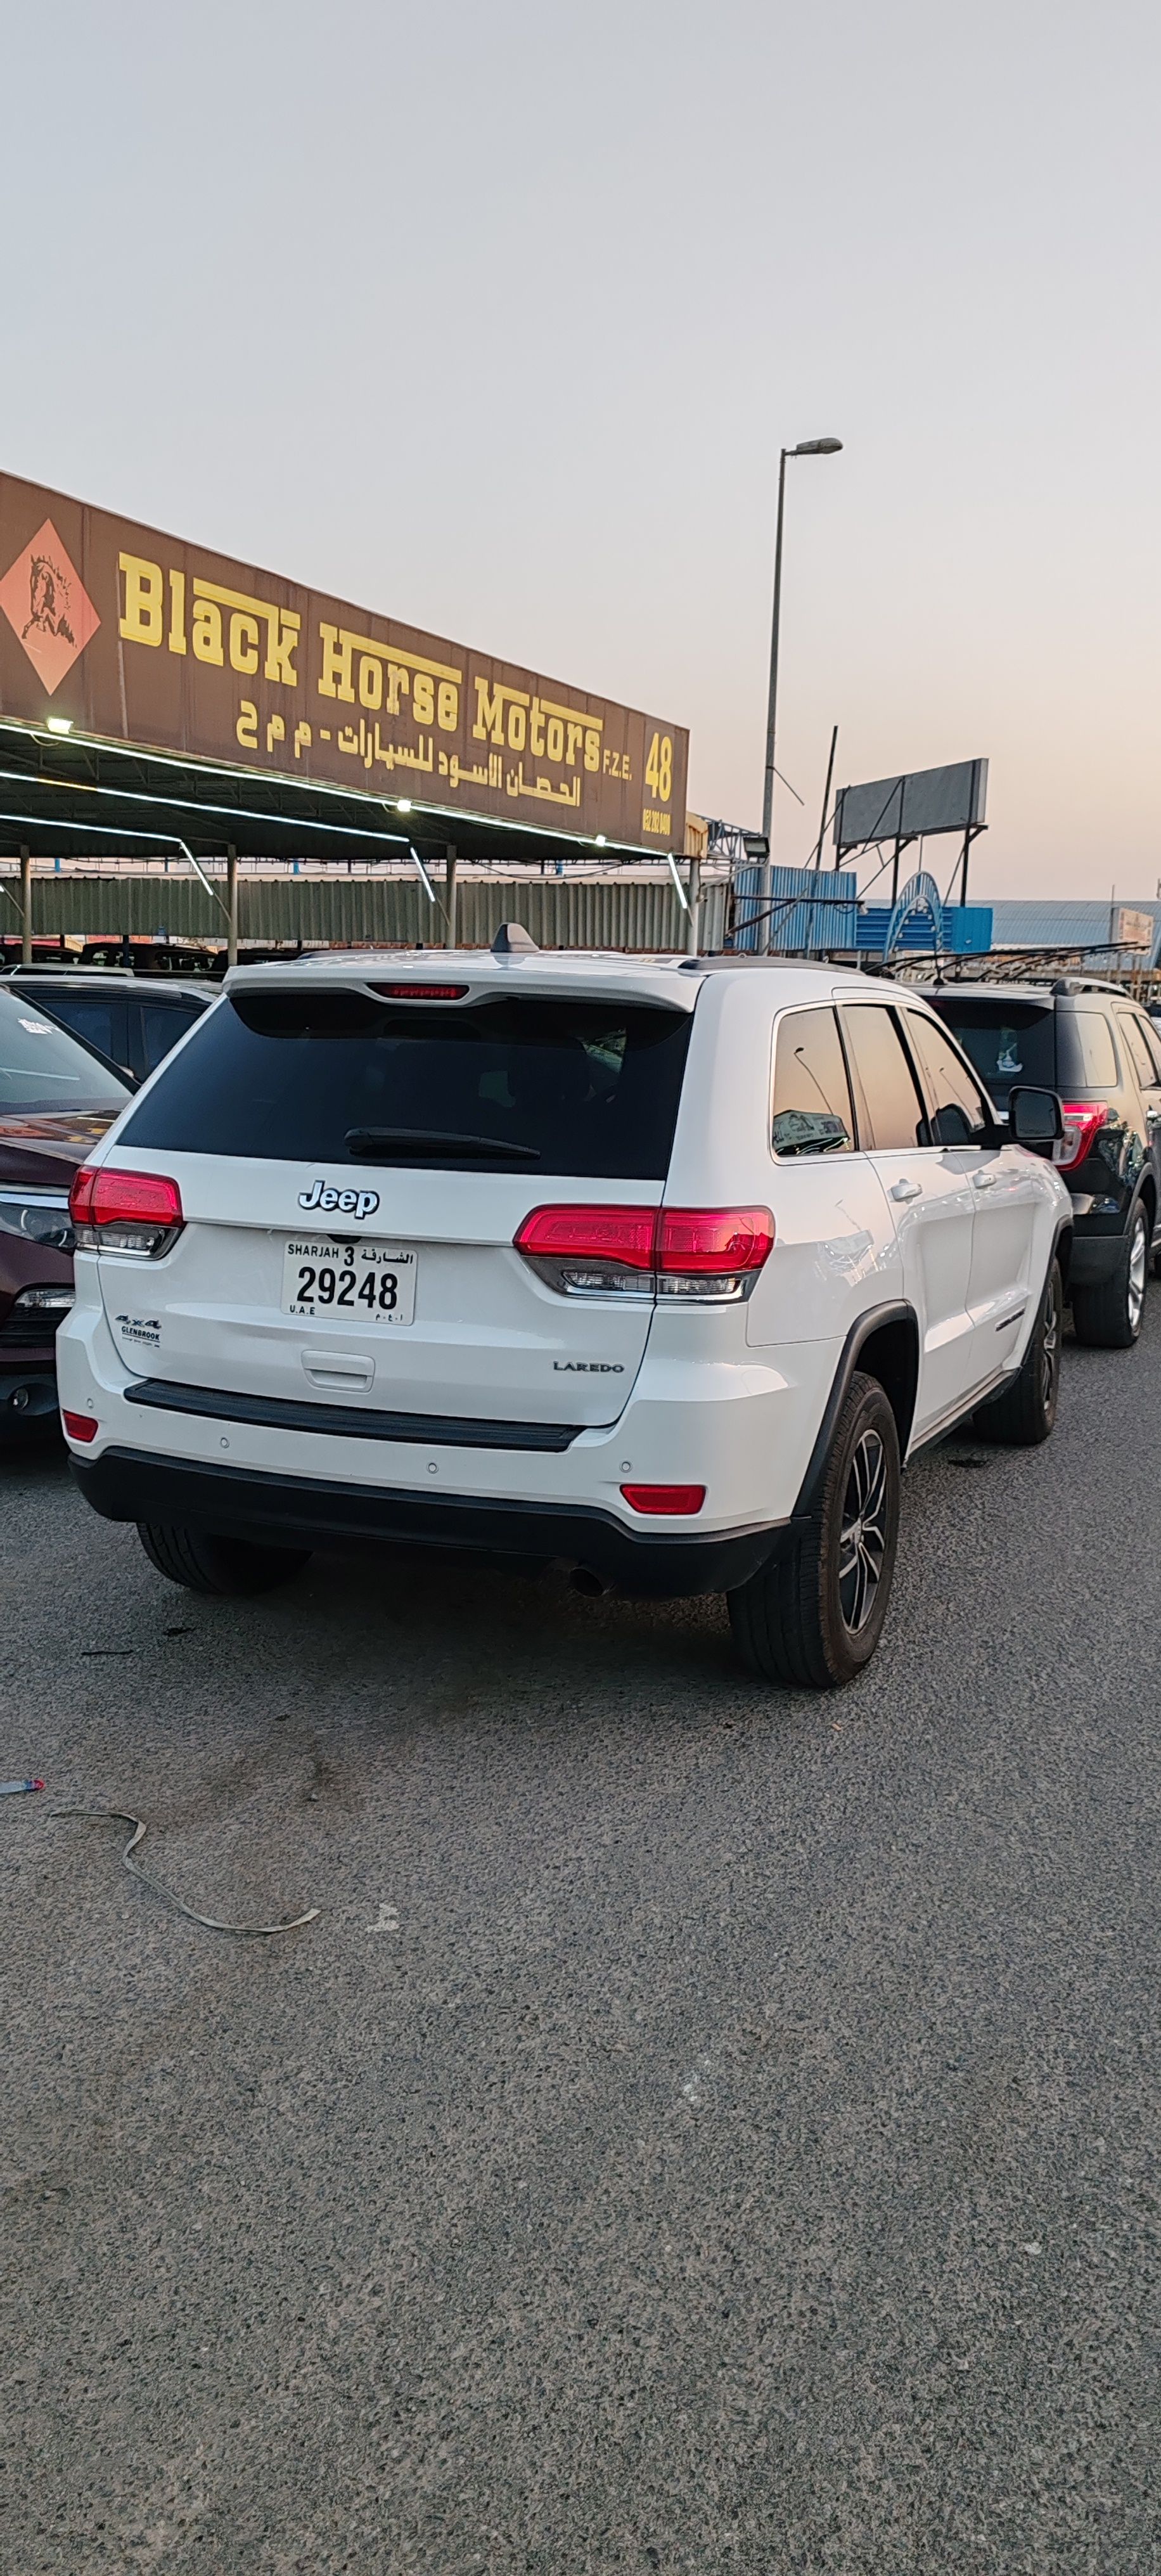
493	315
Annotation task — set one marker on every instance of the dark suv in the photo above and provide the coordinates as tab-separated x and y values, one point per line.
1101	1052
56	1100
133	1020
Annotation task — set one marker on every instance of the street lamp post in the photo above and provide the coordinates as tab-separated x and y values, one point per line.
807	447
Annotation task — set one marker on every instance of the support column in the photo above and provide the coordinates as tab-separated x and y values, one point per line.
232	904
25	907
450	894
693	898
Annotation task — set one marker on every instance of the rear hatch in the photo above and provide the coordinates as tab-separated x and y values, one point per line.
354	1161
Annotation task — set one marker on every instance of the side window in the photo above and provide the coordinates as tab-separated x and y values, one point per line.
893	1107
163	1023
957	1113
95	1017
812	1101
1085	1054
1152	1040
1134	1038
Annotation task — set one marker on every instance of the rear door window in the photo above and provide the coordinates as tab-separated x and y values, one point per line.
43	1068
957	1113
891	1106
162	1024
589	1087
99	1018
812	1098
1133	1036
1006	1041
1087	1058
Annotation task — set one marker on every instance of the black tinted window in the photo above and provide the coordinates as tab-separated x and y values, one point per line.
584	1087
1086	1056
893	1106
42	1067
957	1113
162	1024
1006	1041
812	1101
93	1016
1133	1036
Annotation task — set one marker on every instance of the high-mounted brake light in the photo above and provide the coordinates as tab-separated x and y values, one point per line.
422	992
1083	1120
647	1252
135	1212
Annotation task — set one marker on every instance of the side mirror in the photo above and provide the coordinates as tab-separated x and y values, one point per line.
1035	1118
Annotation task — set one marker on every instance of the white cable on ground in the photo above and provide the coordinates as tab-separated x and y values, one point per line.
255	1931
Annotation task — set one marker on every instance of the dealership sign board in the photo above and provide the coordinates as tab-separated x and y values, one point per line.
139	638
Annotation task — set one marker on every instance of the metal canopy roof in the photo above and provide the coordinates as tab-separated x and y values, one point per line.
59	792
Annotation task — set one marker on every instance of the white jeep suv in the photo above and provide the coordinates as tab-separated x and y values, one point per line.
655	1269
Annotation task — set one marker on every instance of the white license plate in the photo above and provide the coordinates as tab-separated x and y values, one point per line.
359	1284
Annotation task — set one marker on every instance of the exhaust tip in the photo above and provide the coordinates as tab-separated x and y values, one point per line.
592	1586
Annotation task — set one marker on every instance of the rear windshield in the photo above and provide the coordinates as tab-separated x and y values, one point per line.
43	1068
587	1087
1006	1041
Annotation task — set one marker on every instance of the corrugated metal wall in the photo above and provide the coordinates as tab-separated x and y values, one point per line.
558	912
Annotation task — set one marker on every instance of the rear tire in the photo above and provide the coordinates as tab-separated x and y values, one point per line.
1108	1318
1024	1414
813	1617
226	1567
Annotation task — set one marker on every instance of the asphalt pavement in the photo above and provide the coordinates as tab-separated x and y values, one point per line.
704	2129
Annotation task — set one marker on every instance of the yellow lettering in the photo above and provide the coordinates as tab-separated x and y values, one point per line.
243	641
555	738
448	706
423	698
247	724
141	618
282	625
207	631
398	682
536	731
334	679
370	681
592	751
575	732
517	728
275	732
177	612
489	722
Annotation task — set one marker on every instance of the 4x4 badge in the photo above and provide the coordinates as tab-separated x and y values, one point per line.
348	1202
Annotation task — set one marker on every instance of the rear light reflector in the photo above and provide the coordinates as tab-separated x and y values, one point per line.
643	1251
664	1501
80	1426
136	1212
422	992
1083	1120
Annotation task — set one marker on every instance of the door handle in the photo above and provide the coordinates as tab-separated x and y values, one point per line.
983	1180
906	1189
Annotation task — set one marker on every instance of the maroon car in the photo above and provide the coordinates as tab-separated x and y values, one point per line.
56	1098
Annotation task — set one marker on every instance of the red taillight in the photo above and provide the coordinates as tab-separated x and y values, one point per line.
1083	1120
124	1211
80	1426
664	1500
692	1240
623	1235
421	992
661	1251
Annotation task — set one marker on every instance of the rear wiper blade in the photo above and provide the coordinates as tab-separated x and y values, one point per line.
381	1144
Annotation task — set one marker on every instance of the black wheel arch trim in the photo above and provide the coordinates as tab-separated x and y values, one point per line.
902	1399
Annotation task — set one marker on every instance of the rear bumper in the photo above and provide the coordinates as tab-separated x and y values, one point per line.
307	1511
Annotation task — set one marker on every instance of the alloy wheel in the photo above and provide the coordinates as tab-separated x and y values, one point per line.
1138	1264
863	1539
